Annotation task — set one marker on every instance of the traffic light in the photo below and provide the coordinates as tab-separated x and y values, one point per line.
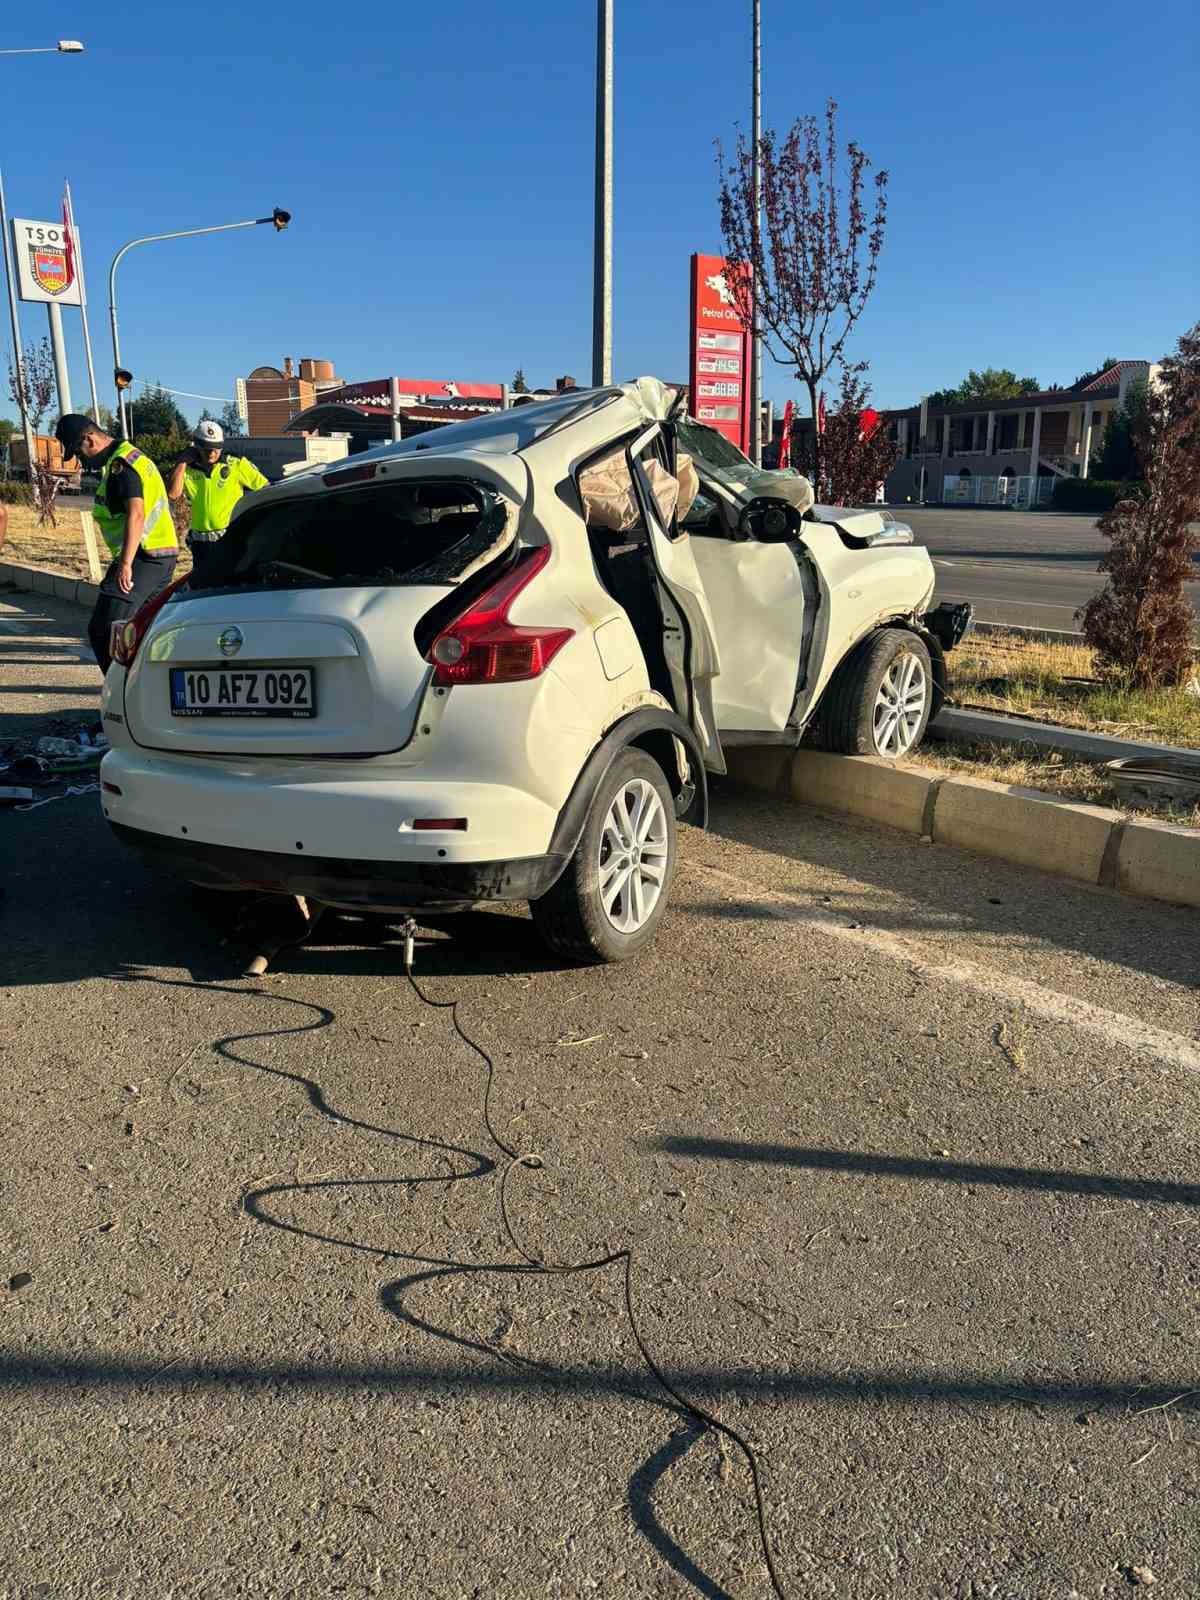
280	219
122	378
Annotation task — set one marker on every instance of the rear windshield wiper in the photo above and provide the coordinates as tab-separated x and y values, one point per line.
270	567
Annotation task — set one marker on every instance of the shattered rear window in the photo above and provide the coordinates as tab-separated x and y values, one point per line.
402	533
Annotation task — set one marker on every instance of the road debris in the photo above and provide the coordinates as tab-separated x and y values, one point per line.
1013	1045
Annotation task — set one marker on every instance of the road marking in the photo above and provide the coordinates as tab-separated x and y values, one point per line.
1007	600
1026	567
1113	1027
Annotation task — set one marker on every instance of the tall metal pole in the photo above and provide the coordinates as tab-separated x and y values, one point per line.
394	406
18	353
756	183
602	285
62	376
87	337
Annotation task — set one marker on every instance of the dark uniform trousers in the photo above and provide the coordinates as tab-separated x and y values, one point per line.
152	572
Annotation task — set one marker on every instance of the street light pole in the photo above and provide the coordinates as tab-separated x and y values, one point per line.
63	47
278	218
22	395
602	285
756	235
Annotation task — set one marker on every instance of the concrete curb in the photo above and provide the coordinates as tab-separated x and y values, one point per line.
1155	860
41	580
986	727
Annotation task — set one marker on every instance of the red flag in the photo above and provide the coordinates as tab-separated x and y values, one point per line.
821	412
868	422
69	234
785	438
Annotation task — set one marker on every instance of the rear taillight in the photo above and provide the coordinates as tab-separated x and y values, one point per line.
128	635
483	646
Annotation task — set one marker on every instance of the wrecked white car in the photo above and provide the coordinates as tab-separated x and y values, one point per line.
498	660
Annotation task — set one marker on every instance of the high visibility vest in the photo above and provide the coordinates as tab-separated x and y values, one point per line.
215	494
159	530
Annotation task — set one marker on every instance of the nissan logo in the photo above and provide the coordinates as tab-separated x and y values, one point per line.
230	641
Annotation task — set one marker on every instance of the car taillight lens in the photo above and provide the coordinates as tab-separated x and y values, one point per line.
483	646
128	635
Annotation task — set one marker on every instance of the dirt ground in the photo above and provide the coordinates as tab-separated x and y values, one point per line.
60	548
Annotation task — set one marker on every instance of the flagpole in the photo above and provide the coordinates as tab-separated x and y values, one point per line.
21	396
87	338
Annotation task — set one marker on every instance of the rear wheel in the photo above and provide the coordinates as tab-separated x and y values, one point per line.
879	699
610	899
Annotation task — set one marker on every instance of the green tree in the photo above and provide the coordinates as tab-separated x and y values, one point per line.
163	449
1117	459
231	420
7	429
993	383
155	412
518	385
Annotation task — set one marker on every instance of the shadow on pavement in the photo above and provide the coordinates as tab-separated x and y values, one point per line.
1045	1179
943	890
75	905
52	1372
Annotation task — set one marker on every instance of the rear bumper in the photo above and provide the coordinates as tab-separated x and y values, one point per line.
343	881
326	810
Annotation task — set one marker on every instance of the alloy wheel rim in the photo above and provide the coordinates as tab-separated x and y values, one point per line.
633	855
900	705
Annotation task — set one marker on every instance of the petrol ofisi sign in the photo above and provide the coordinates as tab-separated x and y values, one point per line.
720	351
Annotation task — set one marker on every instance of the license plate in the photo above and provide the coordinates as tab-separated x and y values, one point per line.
243	692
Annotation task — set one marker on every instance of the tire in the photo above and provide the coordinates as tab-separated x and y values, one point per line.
879	699
606	906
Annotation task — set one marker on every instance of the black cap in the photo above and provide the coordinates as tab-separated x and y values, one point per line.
69	430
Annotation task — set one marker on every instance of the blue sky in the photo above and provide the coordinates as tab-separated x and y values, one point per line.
438	162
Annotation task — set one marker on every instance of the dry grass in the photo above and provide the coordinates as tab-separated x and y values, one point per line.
1055	683
1050	771
61	549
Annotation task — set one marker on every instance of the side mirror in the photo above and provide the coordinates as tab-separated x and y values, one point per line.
770	521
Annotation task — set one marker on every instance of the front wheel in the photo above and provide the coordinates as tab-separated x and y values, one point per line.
611	897
879	699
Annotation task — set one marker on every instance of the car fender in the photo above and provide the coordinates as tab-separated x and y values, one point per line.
652	729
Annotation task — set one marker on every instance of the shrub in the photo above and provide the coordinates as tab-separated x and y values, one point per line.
1141	624
13	493
1089	494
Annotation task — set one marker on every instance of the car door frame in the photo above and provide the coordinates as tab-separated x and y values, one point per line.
691	655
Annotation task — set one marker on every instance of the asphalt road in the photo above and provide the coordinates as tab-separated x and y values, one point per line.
1033	569
903	1142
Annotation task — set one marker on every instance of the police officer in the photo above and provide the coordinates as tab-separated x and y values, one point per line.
132	513
214	483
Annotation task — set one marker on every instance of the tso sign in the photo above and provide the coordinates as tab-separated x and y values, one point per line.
46	261
720	351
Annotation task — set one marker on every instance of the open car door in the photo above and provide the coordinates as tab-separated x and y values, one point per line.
689	634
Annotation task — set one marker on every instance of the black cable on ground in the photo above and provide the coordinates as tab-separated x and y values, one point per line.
624	1257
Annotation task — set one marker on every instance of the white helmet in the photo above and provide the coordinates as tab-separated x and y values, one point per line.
208	435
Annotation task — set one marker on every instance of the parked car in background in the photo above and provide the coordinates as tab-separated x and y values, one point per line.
499	661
